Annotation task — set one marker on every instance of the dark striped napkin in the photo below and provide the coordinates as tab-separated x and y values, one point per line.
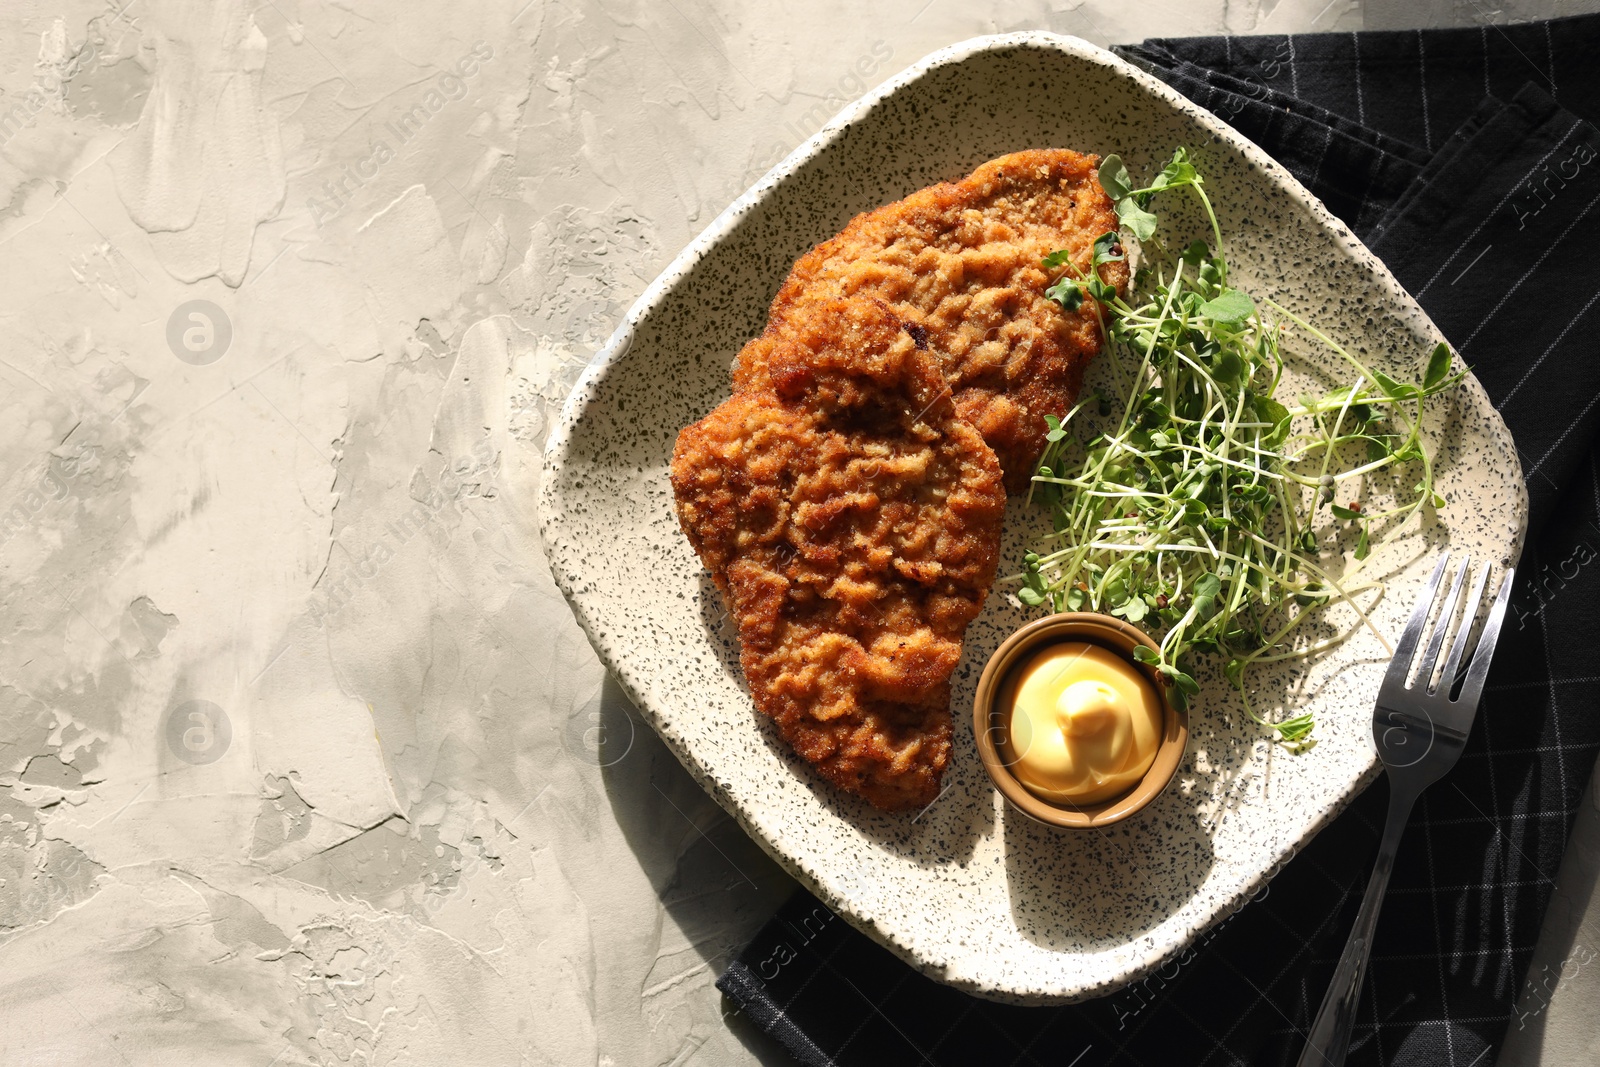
1468	161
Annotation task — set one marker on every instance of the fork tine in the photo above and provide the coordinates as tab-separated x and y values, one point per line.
1400	666
1441	629
1472	689
1447	677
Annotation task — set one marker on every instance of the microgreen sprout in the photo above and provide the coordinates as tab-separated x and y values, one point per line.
1201	515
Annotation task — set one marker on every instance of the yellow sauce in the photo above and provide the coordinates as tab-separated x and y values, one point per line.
1085	724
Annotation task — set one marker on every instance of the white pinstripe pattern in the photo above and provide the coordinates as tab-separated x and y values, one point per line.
1483	40
1361	99
1422	76
799	1031
1550	57
1550	671
1564	435
1504	200
1523	280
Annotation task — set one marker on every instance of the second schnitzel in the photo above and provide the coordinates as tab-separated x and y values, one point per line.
961	263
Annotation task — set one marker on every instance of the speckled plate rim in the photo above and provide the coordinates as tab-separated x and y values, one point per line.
638	689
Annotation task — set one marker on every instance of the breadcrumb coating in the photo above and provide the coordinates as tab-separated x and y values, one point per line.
852	520
961	262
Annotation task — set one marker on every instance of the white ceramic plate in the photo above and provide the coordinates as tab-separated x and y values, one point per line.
970	892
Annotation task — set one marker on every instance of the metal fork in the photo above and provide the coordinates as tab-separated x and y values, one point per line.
1420	732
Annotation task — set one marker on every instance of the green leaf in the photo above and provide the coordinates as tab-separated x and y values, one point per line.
1363	545
1055	434
1255	494
1269	410
1186	685
1345	513
1075	599
1108	248
1438	366
1208	585
1228	367
1146	654
1393	389
1196	253
1235	673
1230	306
1377	450
1066	292
1297	728
1034	591
1141	223
1114	178
1101	291
1134	610
1060	257
1178	172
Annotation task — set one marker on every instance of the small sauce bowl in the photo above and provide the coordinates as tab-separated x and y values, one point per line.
991	721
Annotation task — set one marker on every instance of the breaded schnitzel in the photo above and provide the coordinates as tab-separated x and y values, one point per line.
961	263
852	520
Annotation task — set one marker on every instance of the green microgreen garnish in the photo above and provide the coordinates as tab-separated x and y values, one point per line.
1196	517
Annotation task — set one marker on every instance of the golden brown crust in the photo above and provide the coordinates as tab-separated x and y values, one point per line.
852	520
961	261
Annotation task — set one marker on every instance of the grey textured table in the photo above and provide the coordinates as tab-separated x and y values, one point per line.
302	758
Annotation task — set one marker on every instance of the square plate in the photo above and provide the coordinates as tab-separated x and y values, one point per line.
969	891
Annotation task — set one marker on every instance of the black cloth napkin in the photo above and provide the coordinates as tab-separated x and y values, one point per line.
1469	162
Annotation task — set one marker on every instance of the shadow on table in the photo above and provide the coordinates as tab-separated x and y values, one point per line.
716	884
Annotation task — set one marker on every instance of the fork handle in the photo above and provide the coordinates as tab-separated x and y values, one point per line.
1329	1040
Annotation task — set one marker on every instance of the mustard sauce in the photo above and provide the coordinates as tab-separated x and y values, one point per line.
1085	724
